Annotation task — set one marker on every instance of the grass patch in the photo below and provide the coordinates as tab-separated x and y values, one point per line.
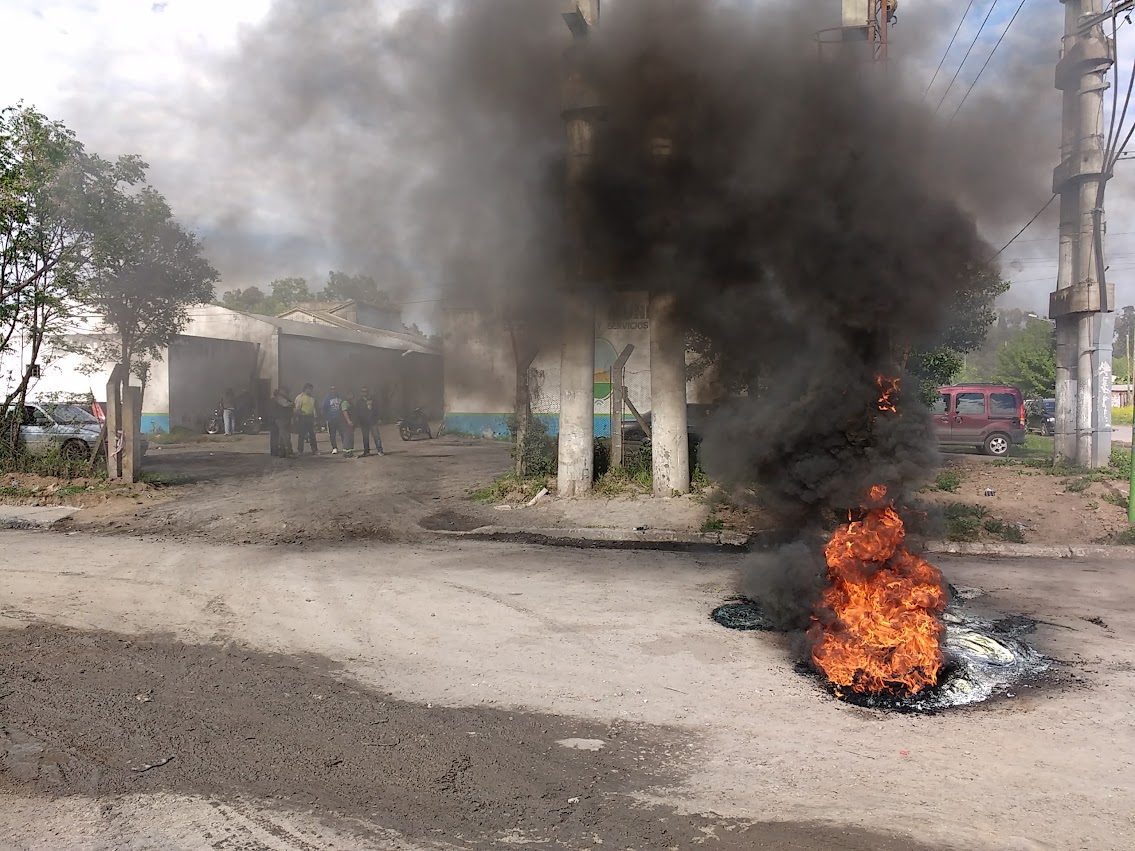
51	464
712	524
1121	416
1007	532
968	523
948	481
621	481
508	488
964	522
1078	485
1117	499
1126	537
1118	466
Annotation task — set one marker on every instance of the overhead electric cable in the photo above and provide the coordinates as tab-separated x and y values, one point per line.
949	46
988	59
976	36
1001	250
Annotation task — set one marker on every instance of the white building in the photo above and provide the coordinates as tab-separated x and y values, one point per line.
223	349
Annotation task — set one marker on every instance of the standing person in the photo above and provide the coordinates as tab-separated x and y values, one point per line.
366	415
305	420
347	424
333	416
281	426
228	411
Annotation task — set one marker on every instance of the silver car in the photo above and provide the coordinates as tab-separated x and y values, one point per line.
67	429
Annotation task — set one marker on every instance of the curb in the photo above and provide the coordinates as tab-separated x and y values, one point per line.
607	538
1032	550
656	539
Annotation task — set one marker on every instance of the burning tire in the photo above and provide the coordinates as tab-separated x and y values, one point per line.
997	445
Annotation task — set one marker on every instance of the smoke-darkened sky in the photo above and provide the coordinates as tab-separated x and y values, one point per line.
272	126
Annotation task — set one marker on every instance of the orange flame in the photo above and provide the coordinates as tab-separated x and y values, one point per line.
888	387
881	627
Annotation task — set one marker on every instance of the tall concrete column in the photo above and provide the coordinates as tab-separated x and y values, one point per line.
577	397
1080	302
581	111
669	438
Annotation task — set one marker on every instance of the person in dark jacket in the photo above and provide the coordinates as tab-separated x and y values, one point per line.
366	418
333	416
280	424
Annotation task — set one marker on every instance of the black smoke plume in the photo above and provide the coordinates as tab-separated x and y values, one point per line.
813	218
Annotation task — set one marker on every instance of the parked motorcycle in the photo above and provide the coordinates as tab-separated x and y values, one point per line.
247	424
414	425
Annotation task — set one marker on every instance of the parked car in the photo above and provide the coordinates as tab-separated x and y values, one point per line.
71	429
1040	416
988	416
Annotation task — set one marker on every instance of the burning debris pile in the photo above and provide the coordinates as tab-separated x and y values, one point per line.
977	659
880	632
879	627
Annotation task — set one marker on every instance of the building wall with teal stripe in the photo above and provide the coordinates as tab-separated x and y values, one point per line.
496	425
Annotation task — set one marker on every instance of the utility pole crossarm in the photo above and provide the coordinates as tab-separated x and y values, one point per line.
1117	8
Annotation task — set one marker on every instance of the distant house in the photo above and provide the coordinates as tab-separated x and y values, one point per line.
1121	395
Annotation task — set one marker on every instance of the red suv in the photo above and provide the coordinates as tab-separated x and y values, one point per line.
988	416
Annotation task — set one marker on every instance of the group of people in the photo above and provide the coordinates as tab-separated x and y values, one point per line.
342	414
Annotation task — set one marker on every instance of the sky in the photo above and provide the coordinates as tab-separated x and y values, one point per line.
130	76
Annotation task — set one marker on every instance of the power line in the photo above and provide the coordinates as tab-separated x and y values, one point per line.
1022	230
953	38
976	36
988	59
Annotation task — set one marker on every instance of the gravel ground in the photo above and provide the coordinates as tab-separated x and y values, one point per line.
230	490
525	647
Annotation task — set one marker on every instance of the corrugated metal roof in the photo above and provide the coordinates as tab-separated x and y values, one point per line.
340	330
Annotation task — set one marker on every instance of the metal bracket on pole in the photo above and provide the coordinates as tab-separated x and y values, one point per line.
618	397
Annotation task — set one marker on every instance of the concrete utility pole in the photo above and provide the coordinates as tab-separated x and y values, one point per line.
669	441
1081	307
581	111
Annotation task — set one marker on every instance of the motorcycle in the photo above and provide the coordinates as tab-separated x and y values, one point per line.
247	424
414	425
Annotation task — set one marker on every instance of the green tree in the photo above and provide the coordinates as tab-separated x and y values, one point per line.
1028	359
48	209
971	317
147	271
1124	326
288	292
248	300
343	287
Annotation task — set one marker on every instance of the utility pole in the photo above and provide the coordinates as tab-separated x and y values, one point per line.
581	111
1082	305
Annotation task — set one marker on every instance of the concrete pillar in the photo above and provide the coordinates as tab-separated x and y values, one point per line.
1080	301
670	448
131	433
577	397
581	110
1066	336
